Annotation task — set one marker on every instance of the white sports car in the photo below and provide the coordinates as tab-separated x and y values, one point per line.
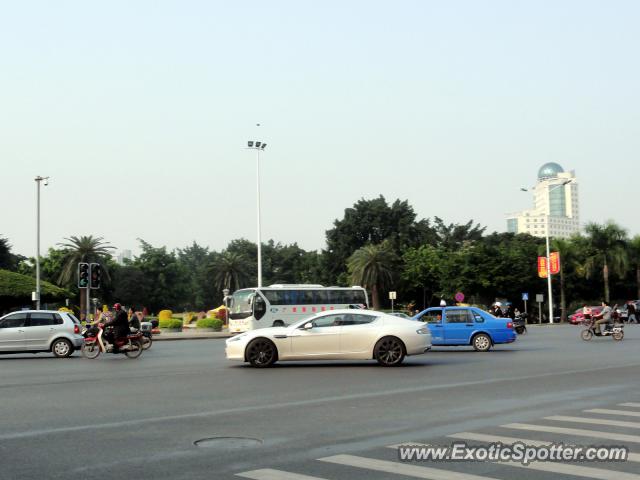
336	334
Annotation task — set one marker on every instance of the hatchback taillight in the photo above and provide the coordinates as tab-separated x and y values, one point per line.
76	328
509	325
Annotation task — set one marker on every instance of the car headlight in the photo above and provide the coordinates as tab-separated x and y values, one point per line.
423	331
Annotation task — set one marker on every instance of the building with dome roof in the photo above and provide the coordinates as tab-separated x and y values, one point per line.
555	205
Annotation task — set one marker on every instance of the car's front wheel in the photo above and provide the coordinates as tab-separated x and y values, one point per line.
389	351
62	348
261	353
481	342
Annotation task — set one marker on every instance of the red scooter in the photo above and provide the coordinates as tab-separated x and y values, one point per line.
94	344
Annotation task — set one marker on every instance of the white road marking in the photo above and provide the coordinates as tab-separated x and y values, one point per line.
607	411
574	431
271	474
577	470
594	421
406	469
629	404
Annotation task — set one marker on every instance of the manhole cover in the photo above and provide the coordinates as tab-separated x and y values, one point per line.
228	443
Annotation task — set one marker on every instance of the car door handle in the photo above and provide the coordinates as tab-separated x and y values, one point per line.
469	324
439	326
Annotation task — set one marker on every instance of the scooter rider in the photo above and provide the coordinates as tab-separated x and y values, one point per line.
603	317
120	324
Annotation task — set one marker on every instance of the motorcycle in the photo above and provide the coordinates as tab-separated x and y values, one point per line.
93	345
615	330
519	324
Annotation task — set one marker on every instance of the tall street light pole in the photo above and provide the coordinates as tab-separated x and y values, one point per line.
258	147
548	263
38	180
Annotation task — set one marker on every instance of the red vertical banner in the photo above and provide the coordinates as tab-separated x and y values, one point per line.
542	267
554	262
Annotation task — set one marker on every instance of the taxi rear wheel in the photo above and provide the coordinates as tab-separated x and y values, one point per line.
481	342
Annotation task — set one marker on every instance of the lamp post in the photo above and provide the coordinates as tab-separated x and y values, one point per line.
38	179
225	299
258	147
547	227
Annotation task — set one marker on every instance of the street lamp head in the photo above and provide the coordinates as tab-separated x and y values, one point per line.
46	181
250	144
264	145
522	189
225	292
257	144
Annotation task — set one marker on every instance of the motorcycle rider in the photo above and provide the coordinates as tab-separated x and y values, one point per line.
134	320
120	324
603	317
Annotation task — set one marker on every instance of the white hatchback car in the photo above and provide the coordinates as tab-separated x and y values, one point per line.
31	331
334	335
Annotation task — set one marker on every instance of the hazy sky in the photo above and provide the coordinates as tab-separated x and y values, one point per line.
139	111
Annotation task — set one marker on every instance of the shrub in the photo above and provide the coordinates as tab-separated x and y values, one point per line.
170	323
165	315
213	323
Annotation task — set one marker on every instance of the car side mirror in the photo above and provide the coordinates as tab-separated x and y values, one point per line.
308	326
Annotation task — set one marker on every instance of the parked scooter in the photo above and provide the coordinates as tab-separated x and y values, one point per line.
94	344
615	330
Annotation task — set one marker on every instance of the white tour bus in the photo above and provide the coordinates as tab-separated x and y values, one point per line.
281	305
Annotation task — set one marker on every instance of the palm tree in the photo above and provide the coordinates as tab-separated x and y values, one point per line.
607	251
230	269
83	249
372	266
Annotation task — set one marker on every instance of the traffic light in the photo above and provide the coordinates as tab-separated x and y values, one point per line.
96	275
83	275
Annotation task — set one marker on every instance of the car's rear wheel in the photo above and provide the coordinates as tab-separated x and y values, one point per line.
261	353
389	351
62	348
481	342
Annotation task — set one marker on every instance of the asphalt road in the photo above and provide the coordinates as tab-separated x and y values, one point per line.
118	418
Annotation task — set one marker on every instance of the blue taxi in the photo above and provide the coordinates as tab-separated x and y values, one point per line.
451	326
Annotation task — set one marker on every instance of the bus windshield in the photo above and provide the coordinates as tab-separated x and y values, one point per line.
241	302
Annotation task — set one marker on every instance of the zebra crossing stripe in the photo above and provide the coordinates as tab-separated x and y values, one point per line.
594	421
607	411
575	431
629	404
271	474
403	468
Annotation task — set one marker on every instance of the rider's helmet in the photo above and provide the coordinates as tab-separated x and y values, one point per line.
117	307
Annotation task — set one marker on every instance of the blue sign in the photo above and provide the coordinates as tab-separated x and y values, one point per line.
525	296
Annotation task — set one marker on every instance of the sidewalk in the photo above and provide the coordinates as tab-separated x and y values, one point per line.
189	334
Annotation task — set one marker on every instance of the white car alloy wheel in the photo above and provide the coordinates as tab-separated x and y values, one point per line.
261	352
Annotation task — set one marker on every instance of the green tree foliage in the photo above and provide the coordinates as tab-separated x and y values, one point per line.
8	260
634	258
373	267
607	252
372	222
15	290
230	270
167	278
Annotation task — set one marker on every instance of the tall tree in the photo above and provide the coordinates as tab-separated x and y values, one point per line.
83	249
373	266
372	222
230	270
8	260
607	252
